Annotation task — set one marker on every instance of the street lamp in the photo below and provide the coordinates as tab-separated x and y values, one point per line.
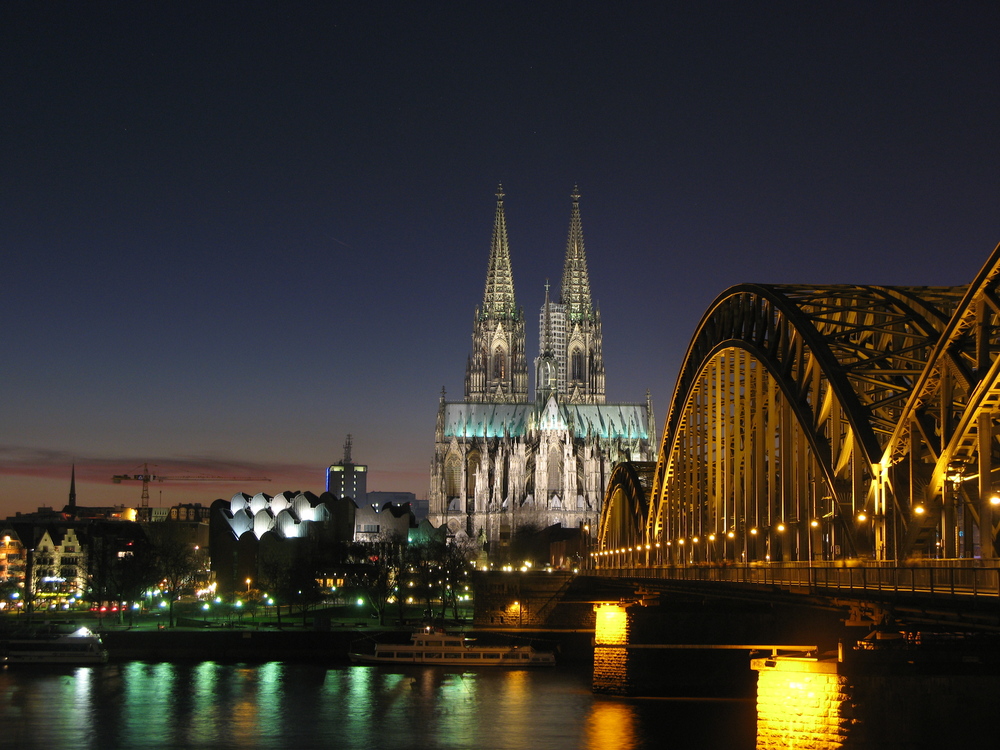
248	585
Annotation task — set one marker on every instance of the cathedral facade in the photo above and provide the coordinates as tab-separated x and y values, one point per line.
504	461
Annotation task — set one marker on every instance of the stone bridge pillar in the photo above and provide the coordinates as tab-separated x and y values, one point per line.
612	627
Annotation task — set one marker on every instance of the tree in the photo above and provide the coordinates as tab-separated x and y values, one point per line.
129	575
378	570
176	564
440	570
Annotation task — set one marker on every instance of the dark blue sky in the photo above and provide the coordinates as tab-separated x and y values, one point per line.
233	233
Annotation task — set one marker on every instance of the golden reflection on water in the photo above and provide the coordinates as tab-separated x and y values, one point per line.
610	724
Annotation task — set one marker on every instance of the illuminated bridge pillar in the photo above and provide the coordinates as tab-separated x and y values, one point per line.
612	627
801	702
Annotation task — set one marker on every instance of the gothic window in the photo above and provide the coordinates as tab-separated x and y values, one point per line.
577	365
498	363
555	470
453	476
472	469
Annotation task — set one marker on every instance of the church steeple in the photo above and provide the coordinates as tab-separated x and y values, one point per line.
575	280
497	370
498	299
582	360
72	490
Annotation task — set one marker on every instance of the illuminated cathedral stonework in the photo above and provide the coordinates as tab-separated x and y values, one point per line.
502	461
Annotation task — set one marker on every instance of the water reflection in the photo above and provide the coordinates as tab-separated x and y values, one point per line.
277	705
610	725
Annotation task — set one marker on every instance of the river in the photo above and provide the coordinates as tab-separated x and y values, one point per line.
293	705
277	704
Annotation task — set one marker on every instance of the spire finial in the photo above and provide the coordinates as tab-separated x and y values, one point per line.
575	195
500	192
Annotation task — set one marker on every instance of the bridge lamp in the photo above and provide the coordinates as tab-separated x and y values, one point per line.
711	537
731	534
781	527
694	540
920	510
995	500
754	531
814	523
680	542
862	517
649	546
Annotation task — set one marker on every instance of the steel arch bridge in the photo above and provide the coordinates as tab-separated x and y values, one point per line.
824	425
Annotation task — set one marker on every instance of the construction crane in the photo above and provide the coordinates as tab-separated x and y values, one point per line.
146	478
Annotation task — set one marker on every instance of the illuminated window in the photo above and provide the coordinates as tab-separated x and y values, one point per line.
498	363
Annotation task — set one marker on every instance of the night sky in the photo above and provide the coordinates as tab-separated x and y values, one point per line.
231	234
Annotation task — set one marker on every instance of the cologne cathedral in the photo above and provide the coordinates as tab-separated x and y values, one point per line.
503	461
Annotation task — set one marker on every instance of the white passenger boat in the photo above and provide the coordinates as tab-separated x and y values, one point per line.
80	647
440	649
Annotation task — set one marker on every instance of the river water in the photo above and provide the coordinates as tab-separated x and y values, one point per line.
290	705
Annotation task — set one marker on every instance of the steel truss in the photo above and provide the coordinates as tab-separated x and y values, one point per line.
816	423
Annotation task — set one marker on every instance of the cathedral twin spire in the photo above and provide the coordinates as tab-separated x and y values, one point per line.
498	299
575	280
570	360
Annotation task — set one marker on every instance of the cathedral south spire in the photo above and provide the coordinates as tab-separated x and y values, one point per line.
497	369
581	361
575	280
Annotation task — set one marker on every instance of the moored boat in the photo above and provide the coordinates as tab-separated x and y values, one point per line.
79	647
435	648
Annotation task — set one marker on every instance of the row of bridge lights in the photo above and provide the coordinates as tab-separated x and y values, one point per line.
731	534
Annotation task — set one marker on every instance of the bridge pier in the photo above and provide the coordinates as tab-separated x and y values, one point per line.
801	701
612	626
630	660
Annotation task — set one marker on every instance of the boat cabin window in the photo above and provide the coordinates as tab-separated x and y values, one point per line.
471	656
491	656
432	656
452	643
389	654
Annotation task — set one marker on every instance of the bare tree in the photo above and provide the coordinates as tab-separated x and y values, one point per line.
177	565
378	570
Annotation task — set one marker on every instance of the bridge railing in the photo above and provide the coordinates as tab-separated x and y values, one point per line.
959	579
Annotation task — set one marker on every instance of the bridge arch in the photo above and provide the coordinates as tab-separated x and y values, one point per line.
621	536
822	423
942	464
